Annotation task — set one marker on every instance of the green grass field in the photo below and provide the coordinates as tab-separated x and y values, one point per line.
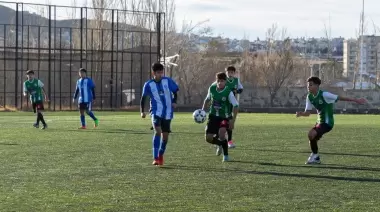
109	168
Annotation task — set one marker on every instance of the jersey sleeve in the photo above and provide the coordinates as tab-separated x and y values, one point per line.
240	86
330	98
232	99
40	84
309	106
173	85
146	89
92	84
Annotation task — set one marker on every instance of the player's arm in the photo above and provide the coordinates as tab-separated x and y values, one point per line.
332	98
25	90
207	100
144	97
41	85
76	93
174	89
240	87
308	108
235	104
93	89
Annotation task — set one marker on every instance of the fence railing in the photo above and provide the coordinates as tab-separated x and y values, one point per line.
117	47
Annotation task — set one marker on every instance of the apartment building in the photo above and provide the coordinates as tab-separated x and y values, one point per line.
370	56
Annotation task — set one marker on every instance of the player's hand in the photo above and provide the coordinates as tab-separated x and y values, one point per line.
361	101
143	115
46	99
73	100
174	105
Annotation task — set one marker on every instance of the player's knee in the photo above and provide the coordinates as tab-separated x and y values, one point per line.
209	138
312	134
158	131
165	136
222	133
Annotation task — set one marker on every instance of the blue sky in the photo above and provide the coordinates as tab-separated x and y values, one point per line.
251	18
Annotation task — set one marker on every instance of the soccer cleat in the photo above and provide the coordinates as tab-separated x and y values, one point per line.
96	123
231	144
155	162
44	127
82	128
313	159
160	160
219	150
226	158
36	125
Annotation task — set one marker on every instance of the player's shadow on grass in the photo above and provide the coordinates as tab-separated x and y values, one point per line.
8	144
324	153
117	131
279	174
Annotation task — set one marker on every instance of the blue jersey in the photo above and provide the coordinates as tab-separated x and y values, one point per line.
85	89
161	96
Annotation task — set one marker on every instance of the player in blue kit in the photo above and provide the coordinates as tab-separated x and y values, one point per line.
85	88
162	92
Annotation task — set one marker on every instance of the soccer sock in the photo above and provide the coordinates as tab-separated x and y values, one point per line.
83	120
163	147
229	132
42	118
38	119
156	145
314	146
225	147
91	114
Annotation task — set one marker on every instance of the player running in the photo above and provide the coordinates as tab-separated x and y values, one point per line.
324	103
162	92
234	84
85	88
221	97
35	88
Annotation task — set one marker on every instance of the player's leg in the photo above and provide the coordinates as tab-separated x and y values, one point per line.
314	135
156	140
37	124
212	133
229	132
39	109
82	108
224	125
91	114
165	128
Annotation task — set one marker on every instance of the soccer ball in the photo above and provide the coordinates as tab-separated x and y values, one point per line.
199	116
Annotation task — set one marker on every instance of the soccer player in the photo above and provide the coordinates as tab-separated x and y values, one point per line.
35	88
85	88
162	92
324	103
234	84
221	97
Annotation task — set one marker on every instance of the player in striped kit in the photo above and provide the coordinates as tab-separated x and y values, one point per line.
85	89
162	92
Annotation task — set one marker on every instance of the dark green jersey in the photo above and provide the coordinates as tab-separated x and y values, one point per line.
34	88
221	101
324	103
234	83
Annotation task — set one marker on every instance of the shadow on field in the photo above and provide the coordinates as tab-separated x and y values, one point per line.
120	131
324	153
8	144
279	174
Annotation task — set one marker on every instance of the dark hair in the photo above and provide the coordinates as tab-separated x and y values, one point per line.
29	72
315	80
221	76
83	70
231	68
157	67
